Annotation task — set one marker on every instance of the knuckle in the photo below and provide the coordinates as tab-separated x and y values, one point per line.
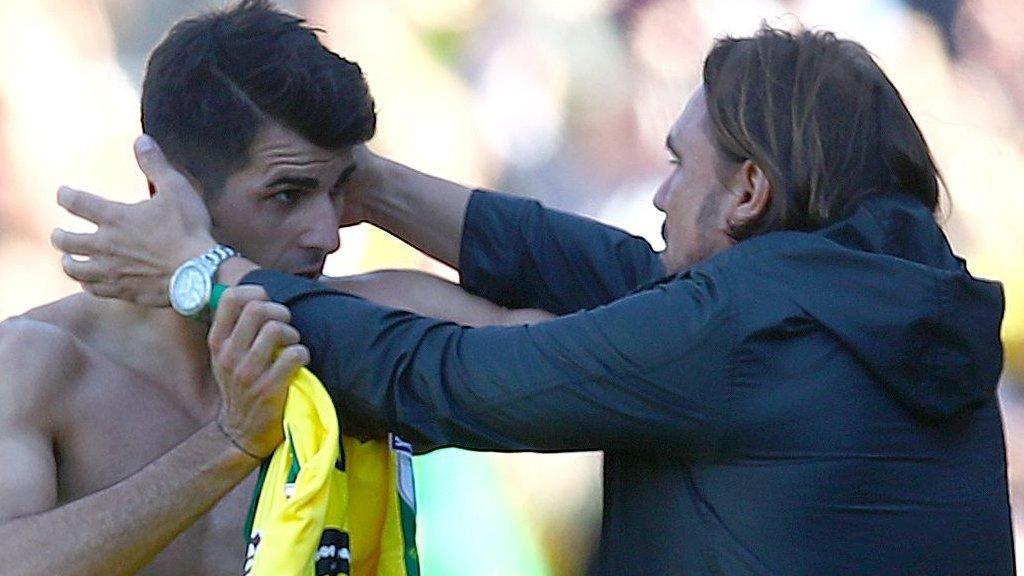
285	332
73	200
251	292
245	374
226	358
290	334
213	341
279	312
230	298
254	309
269	333
103	243
279	331
110	214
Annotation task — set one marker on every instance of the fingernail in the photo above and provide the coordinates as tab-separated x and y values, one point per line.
145	143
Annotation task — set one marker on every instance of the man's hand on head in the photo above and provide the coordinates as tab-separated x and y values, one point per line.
136	247
364	182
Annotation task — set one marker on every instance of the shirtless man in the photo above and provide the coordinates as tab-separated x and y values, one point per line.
113	459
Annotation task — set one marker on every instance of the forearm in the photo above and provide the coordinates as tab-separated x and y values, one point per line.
424	211
118	530
428	295
602	379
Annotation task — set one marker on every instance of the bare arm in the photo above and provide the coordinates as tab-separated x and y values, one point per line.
428	295
424	211
118	530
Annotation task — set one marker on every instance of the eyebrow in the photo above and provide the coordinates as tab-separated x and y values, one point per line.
306	182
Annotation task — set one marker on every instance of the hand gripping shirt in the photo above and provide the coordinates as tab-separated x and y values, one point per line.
324	508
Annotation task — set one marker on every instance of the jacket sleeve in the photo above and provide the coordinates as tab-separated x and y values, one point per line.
645	372
521	255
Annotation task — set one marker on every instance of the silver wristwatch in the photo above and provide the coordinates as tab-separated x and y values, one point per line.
191	285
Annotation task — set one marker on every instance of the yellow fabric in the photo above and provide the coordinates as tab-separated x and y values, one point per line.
324	509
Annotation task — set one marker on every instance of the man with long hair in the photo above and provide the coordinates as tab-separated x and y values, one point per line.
802	382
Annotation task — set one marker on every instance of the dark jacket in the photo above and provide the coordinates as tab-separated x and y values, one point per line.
802	403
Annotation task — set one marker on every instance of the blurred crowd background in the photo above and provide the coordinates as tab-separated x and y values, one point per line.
567	101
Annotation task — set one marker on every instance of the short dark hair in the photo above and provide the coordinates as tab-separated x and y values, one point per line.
215	79
821	119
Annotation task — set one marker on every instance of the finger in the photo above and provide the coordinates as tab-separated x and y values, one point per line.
290	359
254	315
229	309
88	206
78	243
273	336
83	270
164	177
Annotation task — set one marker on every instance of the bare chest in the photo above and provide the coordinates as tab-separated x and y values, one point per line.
115	424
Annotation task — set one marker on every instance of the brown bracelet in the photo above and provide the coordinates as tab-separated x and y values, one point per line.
235	442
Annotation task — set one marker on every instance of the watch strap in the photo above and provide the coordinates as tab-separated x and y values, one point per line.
218	291
217	255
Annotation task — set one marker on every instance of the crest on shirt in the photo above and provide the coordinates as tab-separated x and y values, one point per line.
333	555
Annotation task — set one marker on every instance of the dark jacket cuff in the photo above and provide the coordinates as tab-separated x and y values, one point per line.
284	288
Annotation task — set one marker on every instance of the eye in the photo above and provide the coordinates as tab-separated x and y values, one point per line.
286	197
673	160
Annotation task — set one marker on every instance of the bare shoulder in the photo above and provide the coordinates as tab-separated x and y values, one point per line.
37	357
37	360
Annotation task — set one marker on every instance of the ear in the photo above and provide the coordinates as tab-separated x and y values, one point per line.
752	193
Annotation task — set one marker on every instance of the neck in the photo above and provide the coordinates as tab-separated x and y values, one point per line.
169	349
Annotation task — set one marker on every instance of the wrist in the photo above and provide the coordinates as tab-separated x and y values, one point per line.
381	182
193	248
235	444
229	455
232	270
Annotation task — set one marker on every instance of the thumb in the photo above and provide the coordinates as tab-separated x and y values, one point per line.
157	169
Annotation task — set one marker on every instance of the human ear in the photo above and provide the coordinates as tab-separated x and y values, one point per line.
752	193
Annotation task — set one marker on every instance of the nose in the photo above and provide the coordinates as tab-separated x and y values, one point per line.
321	223
659	196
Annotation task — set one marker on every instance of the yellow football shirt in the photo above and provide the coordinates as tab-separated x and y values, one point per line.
327	508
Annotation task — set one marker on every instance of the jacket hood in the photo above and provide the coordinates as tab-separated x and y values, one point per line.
905	305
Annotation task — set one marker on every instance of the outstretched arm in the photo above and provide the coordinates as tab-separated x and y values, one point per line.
118	530
646	372
428	295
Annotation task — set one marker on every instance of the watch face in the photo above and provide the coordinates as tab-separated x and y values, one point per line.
189	290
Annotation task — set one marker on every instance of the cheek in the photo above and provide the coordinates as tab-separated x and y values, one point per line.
247	228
